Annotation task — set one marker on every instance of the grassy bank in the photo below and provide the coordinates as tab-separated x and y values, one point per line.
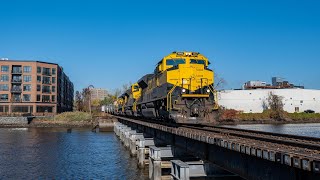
66	119
73	116
268	116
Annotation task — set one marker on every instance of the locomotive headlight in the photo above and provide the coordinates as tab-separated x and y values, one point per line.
184	90
208	90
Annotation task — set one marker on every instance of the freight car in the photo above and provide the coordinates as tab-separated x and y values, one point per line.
180	90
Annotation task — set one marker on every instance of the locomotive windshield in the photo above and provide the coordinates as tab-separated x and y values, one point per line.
197	61
175	62
135	88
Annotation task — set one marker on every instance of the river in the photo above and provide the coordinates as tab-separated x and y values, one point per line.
52	153
44	153
310	130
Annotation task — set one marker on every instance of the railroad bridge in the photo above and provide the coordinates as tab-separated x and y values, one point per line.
186	151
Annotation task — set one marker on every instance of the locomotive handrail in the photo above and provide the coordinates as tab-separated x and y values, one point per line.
215	95
134	106
169	98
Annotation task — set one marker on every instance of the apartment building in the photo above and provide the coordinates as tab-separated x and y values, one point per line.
34	87
98	93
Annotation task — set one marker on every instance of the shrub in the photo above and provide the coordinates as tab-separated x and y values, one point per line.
73	116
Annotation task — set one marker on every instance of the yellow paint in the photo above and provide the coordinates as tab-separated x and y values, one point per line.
189	75
195	95
136	94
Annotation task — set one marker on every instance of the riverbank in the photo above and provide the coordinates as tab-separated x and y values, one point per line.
105	122
64	120
232	117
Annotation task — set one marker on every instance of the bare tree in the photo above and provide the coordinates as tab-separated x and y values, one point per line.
125	87
86	93
276	106
219	82
79	101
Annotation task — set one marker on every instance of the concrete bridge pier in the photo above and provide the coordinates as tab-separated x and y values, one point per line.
127	139
117	128
134	143
198	169
123	130
159	162
143	151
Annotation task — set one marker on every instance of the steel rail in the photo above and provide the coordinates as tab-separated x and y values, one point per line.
296	141
311	143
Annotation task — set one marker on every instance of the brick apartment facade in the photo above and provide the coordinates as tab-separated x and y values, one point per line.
34	87
98	93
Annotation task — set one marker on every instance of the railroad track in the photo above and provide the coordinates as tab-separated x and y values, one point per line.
284	139
297	151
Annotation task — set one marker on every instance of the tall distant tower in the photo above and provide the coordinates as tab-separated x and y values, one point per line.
277	81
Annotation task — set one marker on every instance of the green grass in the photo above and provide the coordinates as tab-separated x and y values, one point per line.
304	116
73	116
267	115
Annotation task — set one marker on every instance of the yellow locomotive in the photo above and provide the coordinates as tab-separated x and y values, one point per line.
180	90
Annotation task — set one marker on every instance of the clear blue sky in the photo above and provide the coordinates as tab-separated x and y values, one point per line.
109	43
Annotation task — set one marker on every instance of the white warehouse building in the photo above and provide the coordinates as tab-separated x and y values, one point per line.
254	101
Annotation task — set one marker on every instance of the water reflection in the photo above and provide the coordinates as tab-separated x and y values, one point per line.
310	130
55	154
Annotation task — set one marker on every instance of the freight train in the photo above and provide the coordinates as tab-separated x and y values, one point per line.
180	90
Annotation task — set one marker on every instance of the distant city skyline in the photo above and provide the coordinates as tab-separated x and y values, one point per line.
109	44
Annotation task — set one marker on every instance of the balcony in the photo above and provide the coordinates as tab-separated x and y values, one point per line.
46	73
16	90
46	82
46	92
16	71
16	81
16	100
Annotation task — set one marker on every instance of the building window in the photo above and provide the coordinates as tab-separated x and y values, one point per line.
46	80
38	79
45	98
4	97
54	71
4	68
38	97
22	109
27	69
45	109
38	87
16	88
4	108
4	87
27	78
4	78
46	71
27	97
53	89
38	70
53	98
16	69
16	98
46	89
16	78
27	87
53	80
